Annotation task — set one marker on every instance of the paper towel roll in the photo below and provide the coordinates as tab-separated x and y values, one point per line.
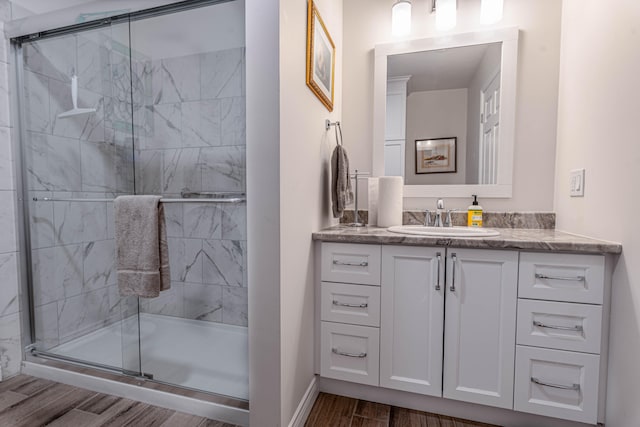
390	201
373	202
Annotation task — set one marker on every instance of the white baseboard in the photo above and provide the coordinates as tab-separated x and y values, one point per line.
163	399
304	407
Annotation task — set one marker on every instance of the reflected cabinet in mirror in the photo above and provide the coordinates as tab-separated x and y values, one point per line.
444	112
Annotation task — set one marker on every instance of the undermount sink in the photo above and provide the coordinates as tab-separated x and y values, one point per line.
444	231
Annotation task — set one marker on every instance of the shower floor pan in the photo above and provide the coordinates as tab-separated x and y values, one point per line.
205	356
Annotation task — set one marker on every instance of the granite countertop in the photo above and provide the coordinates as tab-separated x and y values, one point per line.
509	238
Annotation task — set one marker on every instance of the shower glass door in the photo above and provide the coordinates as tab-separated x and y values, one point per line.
160	109
74	164
189	122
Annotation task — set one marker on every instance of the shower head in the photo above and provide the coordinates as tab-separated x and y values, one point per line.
74	99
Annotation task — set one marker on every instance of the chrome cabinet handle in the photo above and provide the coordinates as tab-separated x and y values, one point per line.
573	279
454	258
575	387
439	257
351	264
344	353
343	304
577	328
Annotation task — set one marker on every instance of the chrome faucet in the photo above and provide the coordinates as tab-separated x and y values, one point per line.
439	209
438	220
427	218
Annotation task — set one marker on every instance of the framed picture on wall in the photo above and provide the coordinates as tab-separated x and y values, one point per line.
436	155
321	57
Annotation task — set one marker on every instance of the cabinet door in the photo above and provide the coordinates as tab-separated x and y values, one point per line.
394	157
480	331
412	303
396	115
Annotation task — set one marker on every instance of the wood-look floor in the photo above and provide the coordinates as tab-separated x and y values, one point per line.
337	411
33	402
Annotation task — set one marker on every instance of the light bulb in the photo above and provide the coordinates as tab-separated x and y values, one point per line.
445	14
491	11
401	18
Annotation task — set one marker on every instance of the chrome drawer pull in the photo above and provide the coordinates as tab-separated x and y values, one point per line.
343	353
575	387
343	304
577	328
439	257
351	264
573	279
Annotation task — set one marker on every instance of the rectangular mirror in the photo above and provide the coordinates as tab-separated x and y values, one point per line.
444	112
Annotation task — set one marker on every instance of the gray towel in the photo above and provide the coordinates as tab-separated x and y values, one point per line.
142	259
341	193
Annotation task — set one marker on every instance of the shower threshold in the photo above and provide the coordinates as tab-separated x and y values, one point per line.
199	355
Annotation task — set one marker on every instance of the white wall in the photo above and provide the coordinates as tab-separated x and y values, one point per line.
436	114
368	23
305	149
487	69
598	130
263	208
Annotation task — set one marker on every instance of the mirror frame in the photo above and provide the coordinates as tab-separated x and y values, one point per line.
509	68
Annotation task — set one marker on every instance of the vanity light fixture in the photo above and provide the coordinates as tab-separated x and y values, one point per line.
446	14
401	18
491	11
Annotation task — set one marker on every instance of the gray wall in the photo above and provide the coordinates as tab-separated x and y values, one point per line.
436	114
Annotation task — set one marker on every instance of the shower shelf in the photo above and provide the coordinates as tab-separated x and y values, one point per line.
224	198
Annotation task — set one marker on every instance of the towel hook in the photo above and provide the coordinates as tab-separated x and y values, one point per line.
328	123
327	126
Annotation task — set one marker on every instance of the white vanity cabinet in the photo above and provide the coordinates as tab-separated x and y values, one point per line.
511	329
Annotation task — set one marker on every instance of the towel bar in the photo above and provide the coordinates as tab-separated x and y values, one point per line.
238	199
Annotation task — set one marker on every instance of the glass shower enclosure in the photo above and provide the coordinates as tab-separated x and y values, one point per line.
151	103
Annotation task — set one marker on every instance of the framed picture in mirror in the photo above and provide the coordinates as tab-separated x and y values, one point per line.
321	57
436	155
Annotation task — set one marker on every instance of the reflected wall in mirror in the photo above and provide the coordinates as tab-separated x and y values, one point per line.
449	93
459	86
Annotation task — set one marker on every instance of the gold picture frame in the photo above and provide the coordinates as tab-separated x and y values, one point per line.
321	58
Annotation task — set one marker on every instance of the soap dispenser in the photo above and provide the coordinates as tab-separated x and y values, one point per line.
474	213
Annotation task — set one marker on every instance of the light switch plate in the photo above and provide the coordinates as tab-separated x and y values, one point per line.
576	183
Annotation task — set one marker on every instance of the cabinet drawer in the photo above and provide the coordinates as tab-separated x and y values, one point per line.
351	263
556	383
564	326
561	277
350	353
356	304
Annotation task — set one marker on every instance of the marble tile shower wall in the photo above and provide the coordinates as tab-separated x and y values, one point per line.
89	156
188	133
10	310
191	126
